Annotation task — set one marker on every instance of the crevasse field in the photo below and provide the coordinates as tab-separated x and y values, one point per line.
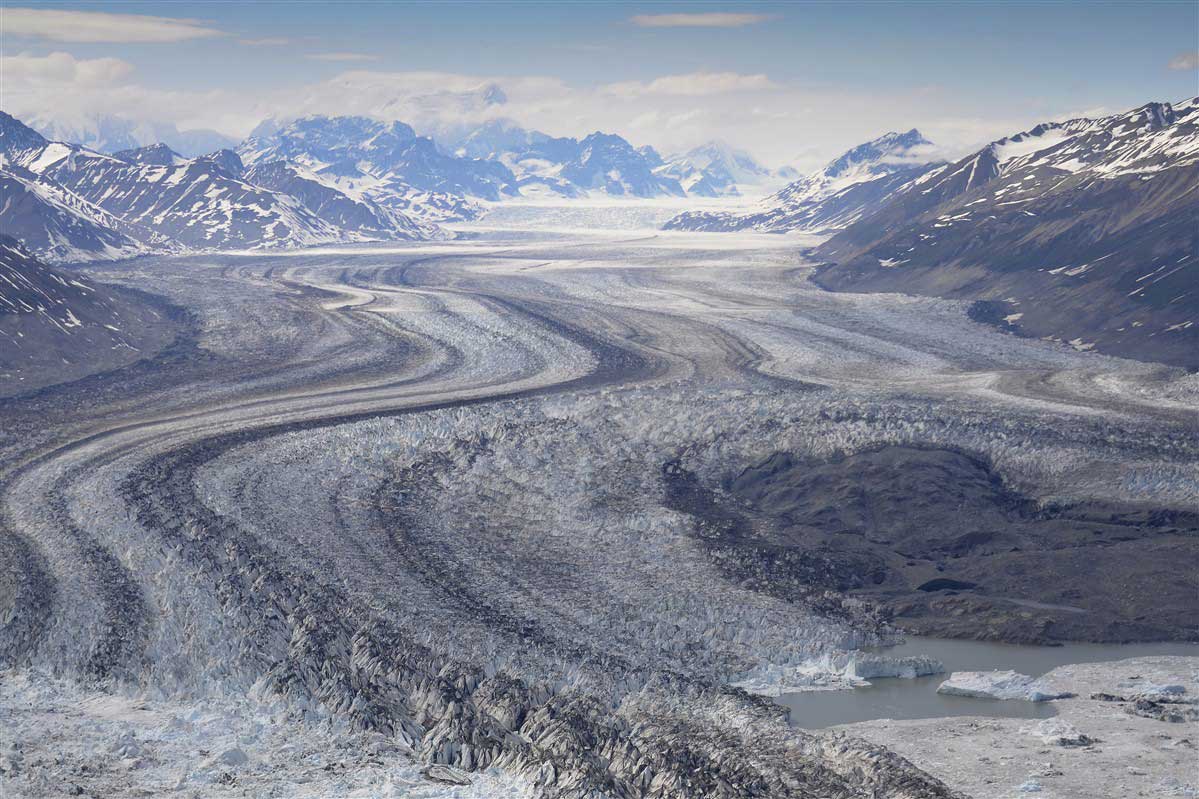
468	503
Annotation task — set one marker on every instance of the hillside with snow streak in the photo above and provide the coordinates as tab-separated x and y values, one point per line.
56	325
1085	232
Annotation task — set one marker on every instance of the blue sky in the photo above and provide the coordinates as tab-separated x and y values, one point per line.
964	69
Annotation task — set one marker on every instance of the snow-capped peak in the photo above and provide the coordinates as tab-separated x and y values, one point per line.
892	152
156	154
877	155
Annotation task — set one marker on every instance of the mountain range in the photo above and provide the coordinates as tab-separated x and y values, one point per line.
66	202
607	163
310	180
831	198
716	169
495	160
365	154
1084	231
107	133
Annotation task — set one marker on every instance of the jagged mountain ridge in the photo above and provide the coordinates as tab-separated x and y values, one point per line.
535	159
392	182
154	154
849	187
193	203
358	148
1085	231
716	169
67	202
568	167
607	163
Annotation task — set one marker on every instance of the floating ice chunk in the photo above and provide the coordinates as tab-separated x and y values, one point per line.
1155	691
998	685
838	670
773	680
870	666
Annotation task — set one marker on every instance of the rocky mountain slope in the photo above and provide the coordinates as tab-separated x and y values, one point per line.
56	222
848	188
56	326
1085	231
345	209
194	202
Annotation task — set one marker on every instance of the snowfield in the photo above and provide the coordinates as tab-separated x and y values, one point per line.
442	519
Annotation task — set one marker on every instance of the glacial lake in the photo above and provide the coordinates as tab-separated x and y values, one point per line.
894	698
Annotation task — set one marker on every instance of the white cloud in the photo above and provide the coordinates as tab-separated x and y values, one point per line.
342	57
61	70
777	122
695	84
704	20
1185	60
62	87
1084	113
266	41
582	47
95	26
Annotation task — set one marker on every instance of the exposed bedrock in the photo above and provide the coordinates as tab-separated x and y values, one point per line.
936	539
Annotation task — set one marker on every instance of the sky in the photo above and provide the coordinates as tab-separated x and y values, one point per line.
793	83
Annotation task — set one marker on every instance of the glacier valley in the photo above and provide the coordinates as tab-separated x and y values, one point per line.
559	507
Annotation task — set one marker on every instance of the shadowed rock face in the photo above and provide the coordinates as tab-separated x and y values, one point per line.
59	225
56	326
937	539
